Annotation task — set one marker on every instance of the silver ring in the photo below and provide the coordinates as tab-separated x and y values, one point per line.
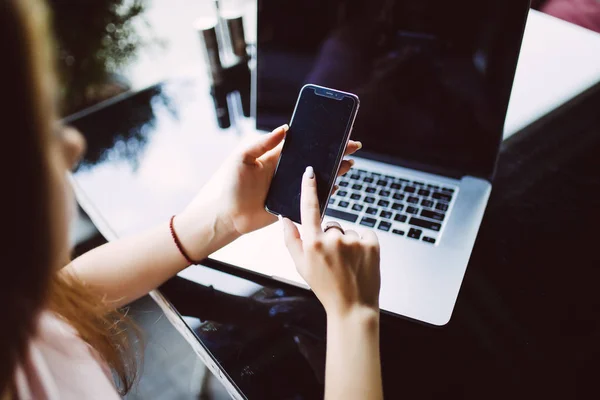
333	225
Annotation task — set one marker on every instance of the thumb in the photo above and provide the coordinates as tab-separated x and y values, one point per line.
293	241
264	144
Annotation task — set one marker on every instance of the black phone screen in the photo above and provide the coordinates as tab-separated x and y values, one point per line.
317	137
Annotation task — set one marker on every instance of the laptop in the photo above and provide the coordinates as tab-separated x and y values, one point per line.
434	80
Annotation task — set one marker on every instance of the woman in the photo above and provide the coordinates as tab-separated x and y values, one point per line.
62	335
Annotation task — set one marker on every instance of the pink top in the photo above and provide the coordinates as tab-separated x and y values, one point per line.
62	366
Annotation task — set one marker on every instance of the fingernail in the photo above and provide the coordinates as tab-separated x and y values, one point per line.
310	172
358	145
285	127
352	162
335	188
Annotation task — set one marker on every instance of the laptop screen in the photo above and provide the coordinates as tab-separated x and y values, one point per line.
433	77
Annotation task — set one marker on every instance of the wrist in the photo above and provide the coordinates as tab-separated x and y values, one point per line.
203	233
356	316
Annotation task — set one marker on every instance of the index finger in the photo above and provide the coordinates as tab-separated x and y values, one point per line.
310	212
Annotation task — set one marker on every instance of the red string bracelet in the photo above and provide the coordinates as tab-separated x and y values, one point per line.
178	243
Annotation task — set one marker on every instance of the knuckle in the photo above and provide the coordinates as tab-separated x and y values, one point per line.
356	244
331	240
352	243
374	247
375	240
372	239
338	241
315	244
371	245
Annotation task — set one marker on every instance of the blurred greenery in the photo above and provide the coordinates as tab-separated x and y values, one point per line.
96	39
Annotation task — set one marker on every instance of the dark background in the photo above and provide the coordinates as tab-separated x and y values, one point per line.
434	78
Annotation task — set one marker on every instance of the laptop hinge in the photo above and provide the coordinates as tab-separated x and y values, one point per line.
454	174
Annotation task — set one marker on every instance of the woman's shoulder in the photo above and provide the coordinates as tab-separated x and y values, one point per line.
60	365
51	329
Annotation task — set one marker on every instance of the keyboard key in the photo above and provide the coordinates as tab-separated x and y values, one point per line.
424	193
398	196
397	206
428	239
371	189
368	179
371	211
447	190
355	196
412	200
421	223
357	207
433	215
402	180
342	193
383	203
384	193
355	176
433	186
410	189
442	196
384	226
331	200
343	204
390	177
415	233
400	218
375	174
362	171
343	183
369	200
399	232
370	222
412	210
386	214
356	186
418	183
395	186
441	207
382	182
427	203
346	216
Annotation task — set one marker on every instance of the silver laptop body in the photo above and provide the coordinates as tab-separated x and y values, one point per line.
433	104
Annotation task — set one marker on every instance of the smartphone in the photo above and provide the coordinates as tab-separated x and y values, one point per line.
318	135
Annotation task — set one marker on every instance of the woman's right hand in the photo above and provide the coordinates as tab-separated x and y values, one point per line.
341	268
343	271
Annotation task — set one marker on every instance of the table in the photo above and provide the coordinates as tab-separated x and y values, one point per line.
527	317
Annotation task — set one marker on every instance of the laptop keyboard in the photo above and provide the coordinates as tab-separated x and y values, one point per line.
415	209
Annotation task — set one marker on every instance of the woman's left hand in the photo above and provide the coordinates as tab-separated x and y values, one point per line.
238	190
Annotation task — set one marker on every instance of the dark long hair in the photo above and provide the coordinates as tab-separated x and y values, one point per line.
29	282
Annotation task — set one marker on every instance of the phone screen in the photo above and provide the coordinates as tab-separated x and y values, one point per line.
317	137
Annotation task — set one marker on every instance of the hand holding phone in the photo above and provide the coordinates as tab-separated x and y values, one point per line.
319	132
